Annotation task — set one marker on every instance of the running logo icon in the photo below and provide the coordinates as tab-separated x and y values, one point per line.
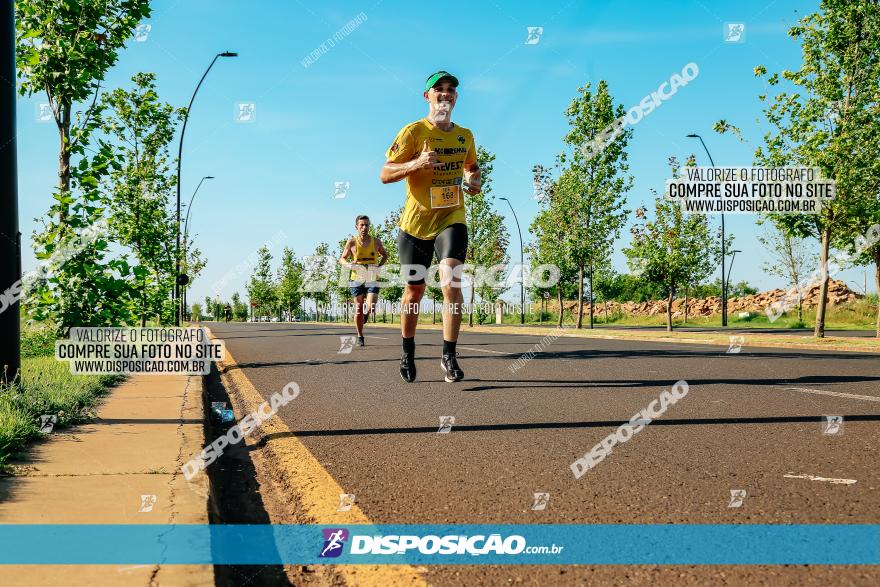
334	539
734	32
47	423
736	344
540	502
736	498
346	344
340	189
833	425
446	423
147	503
346	500
534	35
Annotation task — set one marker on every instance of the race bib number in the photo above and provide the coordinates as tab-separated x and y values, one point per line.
445	196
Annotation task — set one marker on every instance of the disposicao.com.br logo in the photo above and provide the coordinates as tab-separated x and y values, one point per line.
453	544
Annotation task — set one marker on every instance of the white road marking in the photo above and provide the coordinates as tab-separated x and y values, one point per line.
815	478
470	348
869	398
382	337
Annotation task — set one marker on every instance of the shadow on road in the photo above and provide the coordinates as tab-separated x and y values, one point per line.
564	425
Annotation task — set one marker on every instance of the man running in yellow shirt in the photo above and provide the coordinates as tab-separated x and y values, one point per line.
438	159
364	250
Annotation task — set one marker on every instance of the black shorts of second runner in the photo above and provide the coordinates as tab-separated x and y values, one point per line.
451	243
362	289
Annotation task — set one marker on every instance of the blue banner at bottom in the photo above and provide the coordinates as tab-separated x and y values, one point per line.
603	544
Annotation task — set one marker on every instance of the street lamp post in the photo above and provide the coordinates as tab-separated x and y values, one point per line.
723	244
522	280
178	278
10	237
730	269
186	233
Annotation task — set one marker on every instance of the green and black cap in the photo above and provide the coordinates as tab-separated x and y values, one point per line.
434	78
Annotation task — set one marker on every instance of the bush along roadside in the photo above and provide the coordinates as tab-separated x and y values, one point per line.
46	387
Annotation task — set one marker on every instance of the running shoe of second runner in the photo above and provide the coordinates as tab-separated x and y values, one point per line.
408	366
451	369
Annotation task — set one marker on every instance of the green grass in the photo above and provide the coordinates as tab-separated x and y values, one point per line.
45	386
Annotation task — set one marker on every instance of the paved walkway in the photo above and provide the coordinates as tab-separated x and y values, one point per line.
109	472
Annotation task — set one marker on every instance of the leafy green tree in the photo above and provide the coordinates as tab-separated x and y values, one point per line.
791	260
261	286
592	186
290	276
139	187
65	49
239	308
387	233
550	245
827	118
488	237
320	271
197	312
672	249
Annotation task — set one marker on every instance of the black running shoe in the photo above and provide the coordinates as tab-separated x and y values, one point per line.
408	367
360	341
451	369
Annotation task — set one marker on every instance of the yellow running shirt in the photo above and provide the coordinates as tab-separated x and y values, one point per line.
434	197
364	255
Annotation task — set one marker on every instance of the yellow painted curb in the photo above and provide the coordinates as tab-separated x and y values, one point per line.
297	469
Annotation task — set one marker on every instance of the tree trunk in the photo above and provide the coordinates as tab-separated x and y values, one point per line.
580	320
64	159
686	291
877	284
471	313
591	294
433	311
559	297
819	332
669	309
606	311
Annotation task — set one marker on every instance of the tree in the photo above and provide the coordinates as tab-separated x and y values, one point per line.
829	120
65	49
488	238
319	273
261	287
239	308
592	185
550	245
673	248
289	292
791	260
139	186
386	232
197	312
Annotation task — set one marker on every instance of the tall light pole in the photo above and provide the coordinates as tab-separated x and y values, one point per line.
522	280
730	269
723	244
186	235
178	278
10	238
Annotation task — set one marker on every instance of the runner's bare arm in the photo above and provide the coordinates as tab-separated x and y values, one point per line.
392	172
475	180
381	250
343	259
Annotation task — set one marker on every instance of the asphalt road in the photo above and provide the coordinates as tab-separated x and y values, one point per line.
751	421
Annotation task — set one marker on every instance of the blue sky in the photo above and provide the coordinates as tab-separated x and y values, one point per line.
333	120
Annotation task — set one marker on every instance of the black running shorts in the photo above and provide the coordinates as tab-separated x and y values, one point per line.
451	243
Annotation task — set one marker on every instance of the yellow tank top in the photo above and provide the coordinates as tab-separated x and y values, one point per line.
364	254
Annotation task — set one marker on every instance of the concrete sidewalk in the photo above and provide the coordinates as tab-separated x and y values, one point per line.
99	473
